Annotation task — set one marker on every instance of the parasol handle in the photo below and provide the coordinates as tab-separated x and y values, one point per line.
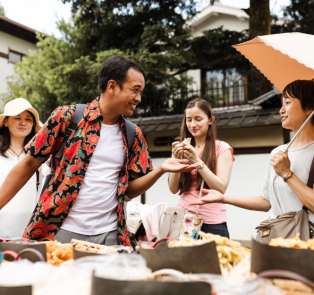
294	137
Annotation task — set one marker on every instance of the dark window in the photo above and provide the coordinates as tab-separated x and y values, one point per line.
165	141
15	56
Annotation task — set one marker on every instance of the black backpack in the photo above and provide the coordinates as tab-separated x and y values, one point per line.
79	112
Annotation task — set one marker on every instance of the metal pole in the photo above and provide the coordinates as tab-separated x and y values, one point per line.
294	137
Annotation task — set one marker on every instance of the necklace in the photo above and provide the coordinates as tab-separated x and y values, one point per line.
200	145
18	155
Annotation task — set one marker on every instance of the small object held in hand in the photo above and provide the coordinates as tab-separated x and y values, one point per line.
187	141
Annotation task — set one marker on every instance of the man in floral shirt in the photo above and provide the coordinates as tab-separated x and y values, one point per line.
85	198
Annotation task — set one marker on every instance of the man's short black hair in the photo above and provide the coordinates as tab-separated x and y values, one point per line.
116	68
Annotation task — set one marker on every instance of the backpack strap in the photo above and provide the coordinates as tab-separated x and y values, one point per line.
79	112
37	180
130	135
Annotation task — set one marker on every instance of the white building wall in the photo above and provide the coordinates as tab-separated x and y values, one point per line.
246	180
228	22
213	17
196	75
8	42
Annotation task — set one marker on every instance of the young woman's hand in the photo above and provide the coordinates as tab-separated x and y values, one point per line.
189	154
212	196
177	149
281	163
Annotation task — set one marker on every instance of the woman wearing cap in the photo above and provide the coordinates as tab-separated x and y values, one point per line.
18	125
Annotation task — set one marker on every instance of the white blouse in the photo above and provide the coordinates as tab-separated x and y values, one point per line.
15	215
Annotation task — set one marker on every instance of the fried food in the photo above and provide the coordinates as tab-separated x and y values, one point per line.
99	249
230	253
87	246
58	253
292	243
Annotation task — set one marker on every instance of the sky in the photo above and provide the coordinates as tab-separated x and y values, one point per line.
42	15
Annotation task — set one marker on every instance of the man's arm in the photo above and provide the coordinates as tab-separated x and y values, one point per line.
142	184
17	178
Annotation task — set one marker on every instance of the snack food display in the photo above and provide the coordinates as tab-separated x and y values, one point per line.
233	258
291	287
99	249
58	253
292	243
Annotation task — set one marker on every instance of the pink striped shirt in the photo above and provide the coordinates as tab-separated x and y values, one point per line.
212	213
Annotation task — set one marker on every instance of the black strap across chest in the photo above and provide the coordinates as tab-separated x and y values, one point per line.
79	112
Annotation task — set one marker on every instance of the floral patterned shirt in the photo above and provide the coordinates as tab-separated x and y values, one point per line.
57	200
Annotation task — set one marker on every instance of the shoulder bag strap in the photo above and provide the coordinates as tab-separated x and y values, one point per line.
130	135
310	180
199	196
79	112
311	176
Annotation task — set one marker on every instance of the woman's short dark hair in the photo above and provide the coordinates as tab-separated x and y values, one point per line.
116	68
303	90
5	138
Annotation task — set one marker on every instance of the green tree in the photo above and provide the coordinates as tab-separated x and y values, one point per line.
2	11
65	71
298	17
119	24
60	73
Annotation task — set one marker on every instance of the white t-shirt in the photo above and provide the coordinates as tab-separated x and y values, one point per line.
16	214
95	209
277	192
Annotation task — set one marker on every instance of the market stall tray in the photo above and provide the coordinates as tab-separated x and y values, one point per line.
102	286
20	290
265	257
29	255
196	259
78	254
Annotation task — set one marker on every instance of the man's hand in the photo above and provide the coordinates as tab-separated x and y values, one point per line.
176	165
281	163
212	196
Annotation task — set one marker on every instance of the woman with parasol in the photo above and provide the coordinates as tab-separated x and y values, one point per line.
284	187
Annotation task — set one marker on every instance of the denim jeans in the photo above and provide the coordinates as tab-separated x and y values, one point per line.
216	229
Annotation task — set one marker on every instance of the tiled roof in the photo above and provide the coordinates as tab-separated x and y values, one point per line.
236	119
18	30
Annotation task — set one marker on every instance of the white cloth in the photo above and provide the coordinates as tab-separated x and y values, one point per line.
95	209
133	216
16	214
151	217
277	192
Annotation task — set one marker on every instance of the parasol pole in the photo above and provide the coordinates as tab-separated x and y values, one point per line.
294	137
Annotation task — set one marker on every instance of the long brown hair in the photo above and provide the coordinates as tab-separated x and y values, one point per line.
5	138
208	155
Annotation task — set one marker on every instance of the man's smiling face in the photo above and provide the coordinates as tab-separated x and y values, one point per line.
129	96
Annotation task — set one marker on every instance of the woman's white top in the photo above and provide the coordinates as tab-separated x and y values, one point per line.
16	214
277	192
